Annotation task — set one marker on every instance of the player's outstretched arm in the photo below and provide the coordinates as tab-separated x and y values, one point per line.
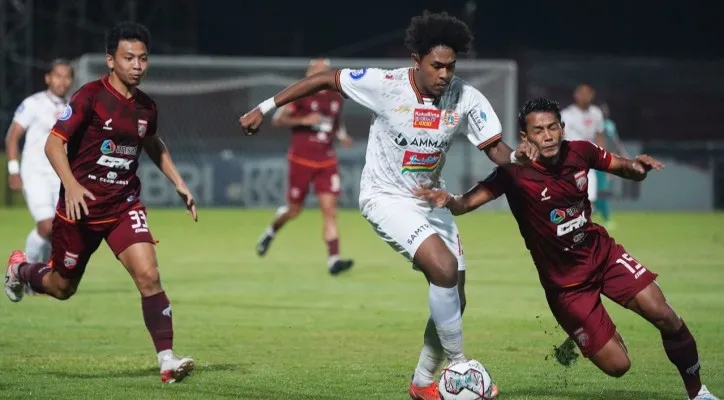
636	169
158	152
284	118
457	204
251	121
500	153
12	148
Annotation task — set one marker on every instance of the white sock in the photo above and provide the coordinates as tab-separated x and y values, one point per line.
36	247
331	260
431	356
269	231
445	312
164	355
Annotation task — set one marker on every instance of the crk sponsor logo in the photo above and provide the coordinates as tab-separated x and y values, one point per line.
417	233
420	162
479	119
572	225
581	180
557	216
114	162
108	147
400	140
427	142
426	118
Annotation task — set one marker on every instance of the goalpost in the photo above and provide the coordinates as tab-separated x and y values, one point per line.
200	99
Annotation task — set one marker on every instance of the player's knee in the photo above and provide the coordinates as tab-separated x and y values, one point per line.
618	367
295	210
329	212
447	272
64	290
148	281
666	319
44	228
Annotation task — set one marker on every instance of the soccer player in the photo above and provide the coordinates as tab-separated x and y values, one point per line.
34	118
314	120
104	127
584	121
417	113
604	183
577	260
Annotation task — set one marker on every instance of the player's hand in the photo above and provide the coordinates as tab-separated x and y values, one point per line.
15	182
346	141
311	119
251	121
75	204
526	152
644	163
436	197
188	199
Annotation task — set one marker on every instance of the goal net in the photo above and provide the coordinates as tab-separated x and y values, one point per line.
200	100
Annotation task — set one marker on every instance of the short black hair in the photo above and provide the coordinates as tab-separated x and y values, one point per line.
540	104
429	30
127	31
59	61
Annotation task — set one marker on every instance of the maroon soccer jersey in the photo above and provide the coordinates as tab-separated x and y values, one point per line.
553	213
104	132
313	145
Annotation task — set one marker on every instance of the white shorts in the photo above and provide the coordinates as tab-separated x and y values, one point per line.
592	185
41	190
404	225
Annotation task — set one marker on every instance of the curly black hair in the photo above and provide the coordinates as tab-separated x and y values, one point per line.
127	31
430	30
540	104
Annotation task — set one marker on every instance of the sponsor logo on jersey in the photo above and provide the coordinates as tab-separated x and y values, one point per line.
427	142
400	140
20	109
581	180
557	216
402	109
572	225
420	162
479	119
451	118
426	118
357	74
108	147
66	114
142	127
114	162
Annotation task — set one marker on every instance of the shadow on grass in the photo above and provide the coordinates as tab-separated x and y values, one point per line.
619	394
141	372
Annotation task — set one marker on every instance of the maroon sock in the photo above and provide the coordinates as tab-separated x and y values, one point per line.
680	347
157	315
32	274
333	247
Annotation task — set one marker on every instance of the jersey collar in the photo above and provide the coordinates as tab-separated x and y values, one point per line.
115	92
418	94
55	99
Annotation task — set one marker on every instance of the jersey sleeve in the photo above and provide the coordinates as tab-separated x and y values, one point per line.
361	85
25	113
484	128
75	117
596	157
153	122
496	183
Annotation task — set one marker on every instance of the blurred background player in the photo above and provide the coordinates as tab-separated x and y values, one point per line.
417	113
105	127
34	118
577	260
584	121
315	121
604	180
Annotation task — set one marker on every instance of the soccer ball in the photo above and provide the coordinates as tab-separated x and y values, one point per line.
466	380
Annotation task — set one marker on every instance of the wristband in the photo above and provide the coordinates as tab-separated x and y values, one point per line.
267	105
13	167
513	158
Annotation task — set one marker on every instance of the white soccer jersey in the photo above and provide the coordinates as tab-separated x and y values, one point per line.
582	124
410	134
37	114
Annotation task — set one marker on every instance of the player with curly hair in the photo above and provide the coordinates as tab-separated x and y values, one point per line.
417	112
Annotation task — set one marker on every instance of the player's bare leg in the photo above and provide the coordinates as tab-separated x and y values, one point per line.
613	358
678	341
140	261
37	245
328	206
283	215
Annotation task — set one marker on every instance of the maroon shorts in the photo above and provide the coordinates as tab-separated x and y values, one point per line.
73	243
581	313
325	180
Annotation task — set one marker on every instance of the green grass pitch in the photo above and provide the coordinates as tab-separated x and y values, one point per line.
282	328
